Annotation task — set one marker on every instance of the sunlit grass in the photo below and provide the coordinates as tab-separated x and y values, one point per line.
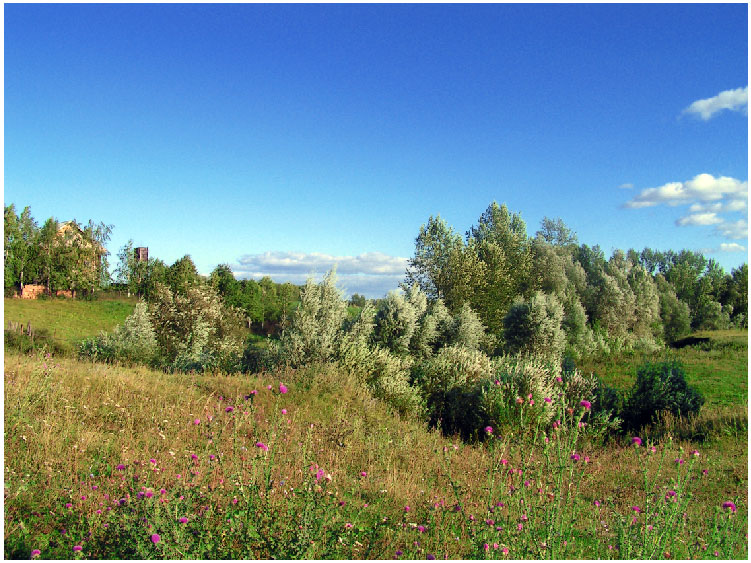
338	476
69	320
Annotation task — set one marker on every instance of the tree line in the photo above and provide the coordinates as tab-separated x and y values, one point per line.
60	256
549	290
263	304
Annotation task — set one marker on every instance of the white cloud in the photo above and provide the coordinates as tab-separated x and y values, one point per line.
707	198
734	100
731	247
708	218
372	274
736	230
626	187
702	188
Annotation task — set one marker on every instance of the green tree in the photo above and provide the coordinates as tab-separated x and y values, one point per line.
555	232
433	246
182	275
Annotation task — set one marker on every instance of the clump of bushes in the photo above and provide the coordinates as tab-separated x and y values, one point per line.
660	387
132	342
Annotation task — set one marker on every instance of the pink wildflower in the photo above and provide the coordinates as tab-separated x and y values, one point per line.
77	548
183	520
730	505
282	388
155	538
636	440
35	552
586	404
263	446
488	430
197	421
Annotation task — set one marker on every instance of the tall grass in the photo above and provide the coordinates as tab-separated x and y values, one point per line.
131	463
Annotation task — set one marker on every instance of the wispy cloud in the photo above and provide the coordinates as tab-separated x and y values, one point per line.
732	247
626	186
733	100
707	197
372	274
736	230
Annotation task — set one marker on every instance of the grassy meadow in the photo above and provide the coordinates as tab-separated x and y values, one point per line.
109	462
68	321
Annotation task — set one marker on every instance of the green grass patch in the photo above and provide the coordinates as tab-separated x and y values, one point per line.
69	320
718	369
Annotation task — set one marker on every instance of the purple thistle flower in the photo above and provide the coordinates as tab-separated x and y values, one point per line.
68	505
730	505
636	509
421	529
197	421
575	457
183	520
155	538
282	388
636	440
77	548
548	400
399	552
229	409
586	404
120	467
488	430
430	557
263	446
152	460
35	552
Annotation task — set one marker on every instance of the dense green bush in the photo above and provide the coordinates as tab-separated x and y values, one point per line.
132	342
461	410
660	387
41	340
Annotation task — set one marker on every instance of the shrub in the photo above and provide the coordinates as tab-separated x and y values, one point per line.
452	366
132	342
195	329
259	357
388	378
316	328
462	411
395	323
533	328
467	330
660	387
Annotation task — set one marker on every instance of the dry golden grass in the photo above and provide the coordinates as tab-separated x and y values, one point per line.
67	420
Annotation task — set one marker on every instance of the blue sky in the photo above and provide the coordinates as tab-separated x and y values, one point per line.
282	138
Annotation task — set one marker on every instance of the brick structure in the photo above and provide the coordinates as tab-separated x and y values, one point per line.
142	254
32	291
